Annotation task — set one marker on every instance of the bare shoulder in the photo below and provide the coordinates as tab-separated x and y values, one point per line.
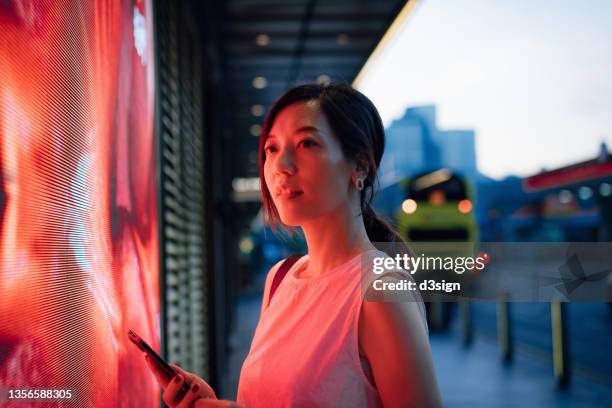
380	304
393	338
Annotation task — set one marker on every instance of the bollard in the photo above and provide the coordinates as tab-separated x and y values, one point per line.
436	313
560	341
465	316
504	334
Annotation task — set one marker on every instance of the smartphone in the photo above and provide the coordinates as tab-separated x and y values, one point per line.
165	368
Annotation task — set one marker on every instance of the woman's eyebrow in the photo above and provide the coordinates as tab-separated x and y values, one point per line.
306	129
301	129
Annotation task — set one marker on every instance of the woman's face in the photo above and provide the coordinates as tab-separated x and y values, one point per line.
305	169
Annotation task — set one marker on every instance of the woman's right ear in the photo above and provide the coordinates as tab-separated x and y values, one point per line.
362	168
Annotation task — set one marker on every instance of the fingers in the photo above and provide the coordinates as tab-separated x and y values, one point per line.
171	392
199	388
206	390
190	396
215	403
186	374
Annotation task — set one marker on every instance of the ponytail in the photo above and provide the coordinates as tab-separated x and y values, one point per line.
378	229
381	231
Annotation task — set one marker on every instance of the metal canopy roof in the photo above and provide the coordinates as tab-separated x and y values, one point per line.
288	42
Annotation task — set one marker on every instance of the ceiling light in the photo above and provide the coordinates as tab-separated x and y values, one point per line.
257	110
246	245
255	130
262	39
342	39
260	82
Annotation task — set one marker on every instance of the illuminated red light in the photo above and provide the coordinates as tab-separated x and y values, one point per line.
437	198
464	206
484	259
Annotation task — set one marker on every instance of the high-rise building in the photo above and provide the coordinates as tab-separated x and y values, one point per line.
458	150
415	144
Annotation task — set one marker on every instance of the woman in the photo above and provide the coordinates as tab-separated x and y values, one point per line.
318	343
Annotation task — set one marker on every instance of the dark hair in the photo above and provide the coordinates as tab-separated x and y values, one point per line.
358	127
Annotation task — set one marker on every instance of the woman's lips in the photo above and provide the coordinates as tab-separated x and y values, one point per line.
289	195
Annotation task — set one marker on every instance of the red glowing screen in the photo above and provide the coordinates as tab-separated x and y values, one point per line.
78	209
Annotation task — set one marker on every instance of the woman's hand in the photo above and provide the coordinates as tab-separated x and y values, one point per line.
198	388
200	394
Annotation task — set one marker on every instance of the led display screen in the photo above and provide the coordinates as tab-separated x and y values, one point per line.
78	202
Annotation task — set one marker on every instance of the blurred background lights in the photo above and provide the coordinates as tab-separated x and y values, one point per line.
260	82
437	197
246	245
464	206
257	110
585	193
255	130
242	184
323	79
605	189
342	39
409	206
565	196
262	40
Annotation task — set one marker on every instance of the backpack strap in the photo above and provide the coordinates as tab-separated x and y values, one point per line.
280	274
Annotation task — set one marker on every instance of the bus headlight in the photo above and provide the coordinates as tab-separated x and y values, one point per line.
409	206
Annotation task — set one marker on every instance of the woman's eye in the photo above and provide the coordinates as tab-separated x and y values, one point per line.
270	149
308	143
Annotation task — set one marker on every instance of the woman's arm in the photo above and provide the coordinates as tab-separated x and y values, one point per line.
393	338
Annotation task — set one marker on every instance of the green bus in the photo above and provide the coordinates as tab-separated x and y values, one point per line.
438	208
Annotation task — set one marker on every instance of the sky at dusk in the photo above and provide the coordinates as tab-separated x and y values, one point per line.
532	78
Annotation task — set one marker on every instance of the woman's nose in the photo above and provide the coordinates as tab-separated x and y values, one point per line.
285	162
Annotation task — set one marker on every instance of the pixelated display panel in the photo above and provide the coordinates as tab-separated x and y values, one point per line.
78	210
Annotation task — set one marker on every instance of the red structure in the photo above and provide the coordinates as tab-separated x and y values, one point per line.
587	171
585	181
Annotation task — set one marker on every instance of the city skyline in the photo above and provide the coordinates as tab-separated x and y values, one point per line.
532	79
415	144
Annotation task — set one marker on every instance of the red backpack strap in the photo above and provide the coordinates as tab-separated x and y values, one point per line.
280	274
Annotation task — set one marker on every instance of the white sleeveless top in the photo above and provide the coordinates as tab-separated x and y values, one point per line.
305	352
